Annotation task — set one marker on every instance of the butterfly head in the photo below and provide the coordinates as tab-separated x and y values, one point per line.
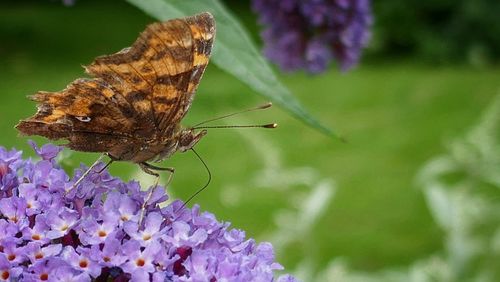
188	138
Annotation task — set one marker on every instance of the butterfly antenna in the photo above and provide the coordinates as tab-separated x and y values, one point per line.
202	188
261	107
269	125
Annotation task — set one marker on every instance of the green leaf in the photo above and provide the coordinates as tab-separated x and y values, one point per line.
234	52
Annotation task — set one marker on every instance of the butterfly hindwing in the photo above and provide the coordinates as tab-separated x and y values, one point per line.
85	106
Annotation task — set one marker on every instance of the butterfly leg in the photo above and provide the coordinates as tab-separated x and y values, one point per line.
86	173
112	160
150	169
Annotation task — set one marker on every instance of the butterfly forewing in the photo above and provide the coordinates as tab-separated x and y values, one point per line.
159	74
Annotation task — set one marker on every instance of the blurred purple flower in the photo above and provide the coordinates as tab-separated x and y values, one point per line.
69	2
308	34
93	233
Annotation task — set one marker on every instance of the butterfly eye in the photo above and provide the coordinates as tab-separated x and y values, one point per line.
83	119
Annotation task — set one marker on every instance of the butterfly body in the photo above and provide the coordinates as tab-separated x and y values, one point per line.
158	149
132	105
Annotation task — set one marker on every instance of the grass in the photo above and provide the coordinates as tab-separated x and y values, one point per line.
394	116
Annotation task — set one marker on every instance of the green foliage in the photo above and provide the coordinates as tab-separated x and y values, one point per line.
439	31
234	52
463	193
462	190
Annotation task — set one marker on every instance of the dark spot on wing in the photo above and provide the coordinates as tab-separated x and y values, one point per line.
136	96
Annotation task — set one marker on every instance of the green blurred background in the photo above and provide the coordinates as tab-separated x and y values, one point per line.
429	74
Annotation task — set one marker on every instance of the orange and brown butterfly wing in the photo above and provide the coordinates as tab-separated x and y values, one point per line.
136	94
158	75
88	113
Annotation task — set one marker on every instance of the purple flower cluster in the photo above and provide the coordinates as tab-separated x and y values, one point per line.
308	34
93	232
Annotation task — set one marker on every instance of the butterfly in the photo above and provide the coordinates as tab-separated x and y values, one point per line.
131	107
